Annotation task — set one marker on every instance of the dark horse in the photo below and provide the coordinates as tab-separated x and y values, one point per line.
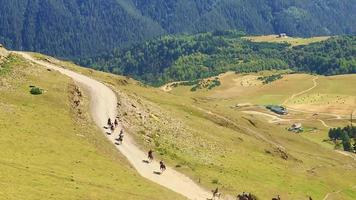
120	139
116	123
162	166
150	156
246	196
216	194
277	198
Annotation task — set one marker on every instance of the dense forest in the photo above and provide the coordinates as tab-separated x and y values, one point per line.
82	28
192	57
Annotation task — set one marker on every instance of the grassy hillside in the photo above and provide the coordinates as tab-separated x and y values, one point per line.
50	148
205	135
192	57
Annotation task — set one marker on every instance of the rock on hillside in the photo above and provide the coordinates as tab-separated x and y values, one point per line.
3	52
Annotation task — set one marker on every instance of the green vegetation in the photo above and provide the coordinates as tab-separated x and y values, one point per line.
7	63
78	28
50	148
36	90
269	79
345	135
209	84
191	57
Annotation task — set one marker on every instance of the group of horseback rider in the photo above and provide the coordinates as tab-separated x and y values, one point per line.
120	139
244	196
162	166
112	126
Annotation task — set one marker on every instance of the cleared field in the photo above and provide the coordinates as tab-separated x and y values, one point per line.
291	40
202	135
335	94
49	147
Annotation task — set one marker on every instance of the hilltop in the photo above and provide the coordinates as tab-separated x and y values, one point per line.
76	29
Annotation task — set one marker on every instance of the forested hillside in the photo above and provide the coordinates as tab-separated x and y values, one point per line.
191	57
82	28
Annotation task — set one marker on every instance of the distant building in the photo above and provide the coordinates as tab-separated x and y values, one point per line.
282	35
277	109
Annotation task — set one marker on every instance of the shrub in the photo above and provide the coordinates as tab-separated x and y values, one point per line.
215	181
36	91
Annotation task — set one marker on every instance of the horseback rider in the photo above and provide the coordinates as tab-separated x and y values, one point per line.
116	123
162	166
150	155
109	122
216	193
121	138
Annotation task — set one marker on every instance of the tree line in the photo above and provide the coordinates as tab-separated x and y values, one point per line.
345	137
191	57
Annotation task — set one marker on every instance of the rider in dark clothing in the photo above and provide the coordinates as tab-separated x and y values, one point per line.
162	166
150	155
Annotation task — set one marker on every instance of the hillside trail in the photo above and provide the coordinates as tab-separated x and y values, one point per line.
337	192
103	104
315	84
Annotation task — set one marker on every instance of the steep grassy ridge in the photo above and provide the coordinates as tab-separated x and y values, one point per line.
50	148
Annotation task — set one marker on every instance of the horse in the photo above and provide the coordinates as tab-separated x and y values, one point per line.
162	166
246	196
109	122
242	197
116	123
216	194
120	139
150	156
278	198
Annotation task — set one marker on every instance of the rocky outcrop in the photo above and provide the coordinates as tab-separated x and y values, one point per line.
3	52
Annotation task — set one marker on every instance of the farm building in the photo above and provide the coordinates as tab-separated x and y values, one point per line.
277	109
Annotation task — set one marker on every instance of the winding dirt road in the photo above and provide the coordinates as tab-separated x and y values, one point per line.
103	102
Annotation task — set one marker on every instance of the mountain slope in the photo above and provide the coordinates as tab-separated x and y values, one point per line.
71	28
78	28
50	147
207	134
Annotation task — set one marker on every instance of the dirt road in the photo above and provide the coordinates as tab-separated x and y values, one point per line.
103	104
